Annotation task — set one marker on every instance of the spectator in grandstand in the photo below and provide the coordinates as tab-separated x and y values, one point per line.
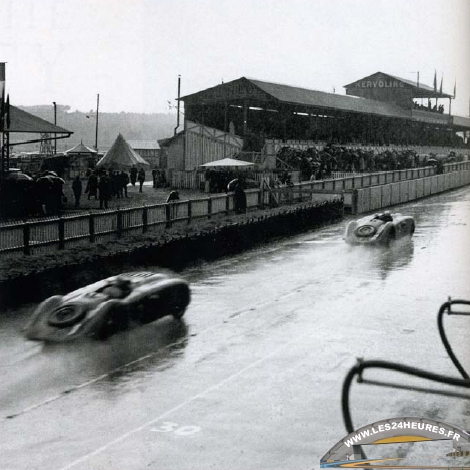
77	191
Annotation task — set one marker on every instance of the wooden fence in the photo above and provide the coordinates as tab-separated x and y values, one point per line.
56	233
47	235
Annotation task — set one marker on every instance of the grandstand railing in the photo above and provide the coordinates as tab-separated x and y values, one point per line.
49	234
272	146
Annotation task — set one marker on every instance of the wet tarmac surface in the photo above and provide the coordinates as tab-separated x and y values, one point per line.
251	379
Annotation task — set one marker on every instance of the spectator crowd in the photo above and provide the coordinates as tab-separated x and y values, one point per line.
320	164
429	107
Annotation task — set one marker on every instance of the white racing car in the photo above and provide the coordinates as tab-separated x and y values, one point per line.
110	305
379	228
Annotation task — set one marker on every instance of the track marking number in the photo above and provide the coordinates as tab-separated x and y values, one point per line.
176	429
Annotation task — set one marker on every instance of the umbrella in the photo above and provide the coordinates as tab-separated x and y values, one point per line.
232	185
227	162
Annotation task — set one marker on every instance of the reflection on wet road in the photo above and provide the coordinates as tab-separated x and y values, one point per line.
252	377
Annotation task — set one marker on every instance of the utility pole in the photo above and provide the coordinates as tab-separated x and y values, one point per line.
178	106
97	113
55	123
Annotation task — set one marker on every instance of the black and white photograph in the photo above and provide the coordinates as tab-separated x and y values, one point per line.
234	235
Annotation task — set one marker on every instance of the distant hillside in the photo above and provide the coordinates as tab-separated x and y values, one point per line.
133	126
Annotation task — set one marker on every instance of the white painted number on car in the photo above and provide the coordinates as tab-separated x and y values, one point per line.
175	428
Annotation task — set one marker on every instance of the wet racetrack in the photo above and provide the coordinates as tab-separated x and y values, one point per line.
252	377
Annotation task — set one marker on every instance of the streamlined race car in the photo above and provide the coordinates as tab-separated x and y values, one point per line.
110	305
379	228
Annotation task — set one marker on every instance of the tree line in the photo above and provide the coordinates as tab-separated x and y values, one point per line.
134	126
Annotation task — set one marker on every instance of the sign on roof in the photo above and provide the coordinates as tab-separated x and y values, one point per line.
383	87
385	83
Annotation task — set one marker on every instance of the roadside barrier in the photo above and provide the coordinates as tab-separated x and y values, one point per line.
377	197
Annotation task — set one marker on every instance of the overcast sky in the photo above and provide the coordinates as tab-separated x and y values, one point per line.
131	51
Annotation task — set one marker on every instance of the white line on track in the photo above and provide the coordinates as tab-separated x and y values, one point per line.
181	405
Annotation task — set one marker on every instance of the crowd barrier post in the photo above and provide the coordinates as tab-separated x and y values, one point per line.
91	227
26	238
145	214
190	210
61	228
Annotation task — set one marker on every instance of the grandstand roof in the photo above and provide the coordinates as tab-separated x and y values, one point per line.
307	97
268	91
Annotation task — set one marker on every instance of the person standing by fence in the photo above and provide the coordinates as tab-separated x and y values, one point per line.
154	177
240	199
124	180
141	179
289	190
92	186
77	191
172	198
133	175
104	187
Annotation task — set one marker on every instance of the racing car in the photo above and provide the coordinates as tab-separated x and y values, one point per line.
108	306
379	228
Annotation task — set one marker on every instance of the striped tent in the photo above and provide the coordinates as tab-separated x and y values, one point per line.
122	157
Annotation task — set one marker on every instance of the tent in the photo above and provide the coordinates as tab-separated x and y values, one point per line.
81	150
122	157
227	162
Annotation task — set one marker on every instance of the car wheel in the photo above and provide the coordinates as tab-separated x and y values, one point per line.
365	231
66	315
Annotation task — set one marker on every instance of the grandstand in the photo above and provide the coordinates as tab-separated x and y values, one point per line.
379	112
